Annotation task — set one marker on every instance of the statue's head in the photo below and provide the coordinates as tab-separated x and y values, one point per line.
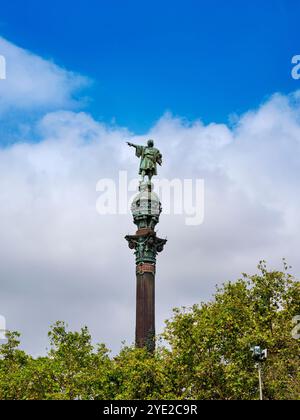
150	143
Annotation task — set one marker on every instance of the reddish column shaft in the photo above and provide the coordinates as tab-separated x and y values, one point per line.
145	310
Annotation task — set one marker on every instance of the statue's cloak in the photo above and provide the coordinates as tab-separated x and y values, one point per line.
150	156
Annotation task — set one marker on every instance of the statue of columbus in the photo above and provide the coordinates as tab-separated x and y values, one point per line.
150	157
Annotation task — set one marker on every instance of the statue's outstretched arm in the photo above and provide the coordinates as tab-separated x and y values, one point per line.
132	145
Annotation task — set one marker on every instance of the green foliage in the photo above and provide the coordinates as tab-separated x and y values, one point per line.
206	353
210	342
140	375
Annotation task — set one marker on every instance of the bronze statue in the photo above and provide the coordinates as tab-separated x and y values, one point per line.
150	156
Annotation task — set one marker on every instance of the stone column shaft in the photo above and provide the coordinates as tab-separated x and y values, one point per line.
145	310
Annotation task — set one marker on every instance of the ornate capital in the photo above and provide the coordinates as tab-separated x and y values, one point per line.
146	247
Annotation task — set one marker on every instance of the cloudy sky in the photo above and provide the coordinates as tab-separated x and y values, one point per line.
63	128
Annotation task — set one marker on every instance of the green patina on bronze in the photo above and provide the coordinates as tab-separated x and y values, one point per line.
150	157
146	209
146	247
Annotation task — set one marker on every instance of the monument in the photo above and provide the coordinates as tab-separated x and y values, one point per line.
146	209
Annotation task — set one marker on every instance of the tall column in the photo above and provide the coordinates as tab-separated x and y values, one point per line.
145	306
146	209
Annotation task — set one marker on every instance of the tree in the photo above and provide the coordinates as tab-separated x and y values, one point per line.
210	343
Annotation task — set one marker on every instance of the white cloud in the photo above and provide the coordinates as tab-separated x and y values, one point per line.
60	260
35	83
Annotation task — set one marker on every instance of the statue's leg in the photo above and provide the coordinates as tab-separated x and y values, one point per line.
143	176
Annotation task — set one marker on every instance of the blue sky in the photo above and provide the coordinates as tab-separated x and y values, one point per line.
197	59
